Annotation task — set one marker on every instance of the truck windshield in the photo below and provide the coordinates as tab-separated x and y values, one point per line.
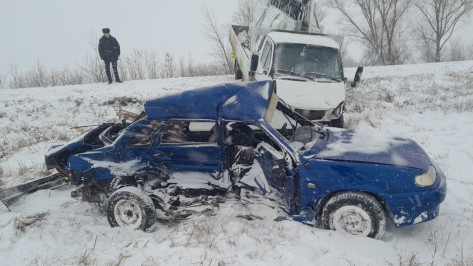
309	61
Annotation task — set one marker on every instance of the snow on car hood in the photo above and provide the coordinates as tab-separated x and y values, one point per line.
311	95
354	146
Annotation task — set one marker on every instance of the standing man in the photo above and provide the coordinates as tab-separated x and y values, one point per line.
109	51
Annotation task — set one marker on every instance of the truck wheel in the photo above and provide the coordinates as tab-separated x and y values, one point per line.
238	74
130	207
339	122
355	213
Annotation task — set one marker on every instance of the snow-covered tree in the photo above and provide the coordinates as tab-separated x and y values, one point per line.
170	69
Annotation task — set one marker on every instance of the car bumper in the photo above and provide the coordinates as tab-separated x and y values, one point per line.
418	207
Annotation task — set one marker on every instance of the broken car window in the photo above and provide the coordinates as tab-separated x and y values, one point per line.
194	132
143	135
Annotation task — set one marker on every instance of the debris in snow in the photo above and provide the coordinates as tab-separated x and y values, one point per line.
21	222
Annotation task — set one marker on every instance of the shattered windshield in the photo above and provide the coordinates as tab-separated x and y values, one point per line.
297	130
308	61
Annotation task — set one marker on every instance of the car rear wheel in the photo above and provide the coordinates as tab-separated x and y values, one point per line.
131	207
355	213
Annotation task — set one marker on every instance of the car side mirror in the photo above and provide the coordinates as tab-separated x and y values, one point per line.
254	62
357	78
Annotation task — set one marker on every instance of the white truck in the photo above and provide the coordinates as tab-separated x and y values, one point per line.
286	45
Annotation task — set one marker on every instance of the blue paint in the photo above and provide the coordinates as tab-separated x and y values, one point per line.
356	168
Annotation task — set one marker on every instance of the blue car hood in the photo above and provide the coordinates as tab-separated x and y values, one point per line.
354	146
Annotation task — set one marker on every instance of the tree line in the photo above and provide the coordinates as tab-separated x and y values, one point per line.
139	65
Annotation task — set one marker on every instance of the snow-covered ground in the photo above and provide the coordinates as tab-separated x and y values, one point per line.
430	103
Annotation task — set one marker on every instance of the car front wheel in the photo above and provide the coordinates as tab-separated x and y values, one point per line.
131	207
355	213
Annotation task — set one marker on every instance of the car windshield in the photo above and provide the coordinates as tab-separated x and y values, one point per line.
309	61
297	130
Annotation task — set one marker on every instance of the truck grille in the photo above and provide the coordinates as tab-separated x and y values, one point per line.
311	114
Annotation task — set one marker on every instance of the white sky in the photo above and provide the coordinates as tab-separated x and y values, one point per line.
55	32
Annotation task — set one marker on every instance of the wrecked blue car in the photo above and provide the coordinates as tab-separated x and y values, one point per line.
189	151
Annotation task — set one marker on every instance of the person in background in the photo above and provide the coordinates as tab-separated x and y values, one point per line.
109	51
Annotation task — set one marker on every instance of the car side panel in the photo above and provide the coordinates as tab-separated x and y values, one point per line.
206	158
384	181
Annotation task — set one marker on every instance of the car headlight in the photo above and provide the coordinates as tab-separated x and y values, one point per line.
427	179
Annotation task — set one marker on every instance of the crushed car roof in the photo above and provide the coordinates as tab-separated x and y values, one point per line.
242	101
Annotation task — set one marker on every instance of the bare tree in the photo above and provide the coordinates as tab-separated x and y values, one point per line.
151	64
245	13
17	79
170	69
439	19
190	69
218	40
321	11
3	79
38	76
459	50
379	27
347	59
93	66
134	65
182	67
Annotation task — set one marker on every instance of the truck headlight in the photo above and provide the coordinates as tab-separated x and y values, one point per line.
339	110
427	179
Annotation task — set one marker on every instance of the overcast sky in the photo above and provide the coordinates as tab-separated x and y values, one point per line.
55	32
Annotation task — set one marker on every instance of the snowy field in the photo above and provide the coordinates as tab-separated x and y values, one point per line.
430	103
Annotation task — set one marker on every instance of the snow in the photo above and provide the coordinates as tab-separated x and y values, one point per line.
431	104
256	179
364	142
195	180
117	169
284	37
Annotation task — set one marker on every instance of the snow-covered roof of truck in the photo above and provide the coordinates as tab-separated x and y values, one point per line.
241	102
288	37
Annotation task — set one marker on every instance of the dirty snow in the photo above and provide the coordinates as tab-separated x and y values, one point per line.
117	169
431	104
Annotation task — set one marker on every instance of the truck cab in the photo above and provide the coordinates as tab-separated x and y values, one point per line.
309	73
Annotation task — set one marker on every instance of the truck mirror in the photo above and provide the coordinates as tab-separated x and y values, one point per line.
357	78
254	62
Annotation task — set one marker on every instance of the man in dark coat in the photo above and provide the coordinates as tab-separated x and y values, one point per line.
109	51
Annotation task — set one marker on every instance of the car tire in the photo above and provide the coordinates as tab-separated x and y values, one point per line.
131	207
339	122
238	74
355	213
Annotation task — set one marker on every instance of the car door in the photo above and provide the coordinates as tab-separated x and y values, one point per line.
271	174
136	143
278	170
